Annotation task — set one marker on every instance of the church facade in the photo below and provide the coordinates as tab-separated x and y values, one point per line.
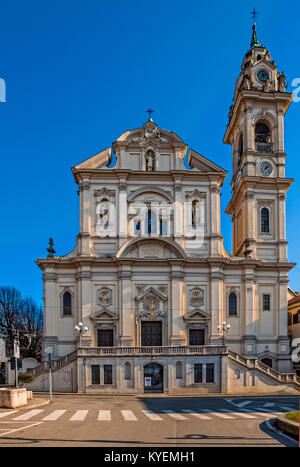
150	300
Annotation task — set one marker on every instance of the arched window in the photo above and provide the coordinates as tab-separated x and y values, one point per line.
127	371
241	147
67	304
265	220
179	370
232	304
262	133
195	214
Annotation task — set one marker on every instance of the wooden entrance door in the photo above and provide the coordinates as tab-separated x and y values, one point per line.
196	337
151	333
105	338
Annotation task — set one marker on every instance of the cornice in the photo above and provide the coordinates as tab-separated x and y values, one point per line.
257	182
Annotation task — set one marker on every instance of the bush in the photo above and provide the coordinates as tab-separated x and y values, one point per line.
294	416
25	378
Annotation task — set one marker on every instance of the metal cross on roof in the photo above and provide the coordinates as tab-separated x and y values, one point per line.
254	14
150	111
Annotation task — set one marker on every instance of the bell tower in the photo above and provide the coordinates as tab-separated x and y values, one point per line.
256	134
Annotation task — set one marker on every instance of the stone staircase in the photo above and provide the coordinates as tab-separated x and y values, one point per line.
254	364
43	367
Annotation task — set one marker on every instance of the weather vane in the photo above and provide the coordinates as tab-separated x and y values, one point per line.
254	14
150	111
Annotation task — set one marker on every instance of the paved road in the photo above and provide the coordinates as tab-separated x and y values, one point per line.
147	422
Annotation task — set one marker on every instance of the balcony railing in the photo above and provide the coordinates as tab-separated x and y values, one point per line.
264	147
155	351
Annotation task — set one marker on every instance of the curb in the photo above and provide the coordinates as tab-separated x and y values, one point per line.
288	426
165	395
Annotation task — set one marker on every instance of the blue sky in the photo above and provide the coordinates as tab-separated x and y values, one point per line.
79	74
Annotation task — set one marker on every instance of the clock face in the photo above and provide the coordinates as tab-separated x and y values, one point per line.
263	75
266	168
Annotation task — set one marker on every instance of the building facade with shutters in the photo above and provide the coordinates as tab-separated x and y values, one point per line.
149	281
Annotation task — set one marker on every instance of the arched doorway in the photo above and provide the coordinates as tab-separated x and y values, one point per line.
153	378
268	362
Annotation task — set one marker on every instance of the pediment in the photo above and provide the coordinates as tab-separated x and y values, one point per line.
104	315
98	161
153	291
202	164
197	315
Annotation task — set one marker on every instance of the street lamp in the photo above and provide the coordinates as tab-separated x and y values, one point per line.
80	329
223	330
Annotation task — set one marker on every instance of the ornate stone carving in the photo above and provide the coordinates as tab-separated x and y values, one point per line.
105	297
151	304
196	297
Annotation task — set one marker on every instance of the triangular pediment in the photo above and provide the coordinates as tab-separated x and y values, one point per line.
104	315
197	315
202	164
99	161
151	290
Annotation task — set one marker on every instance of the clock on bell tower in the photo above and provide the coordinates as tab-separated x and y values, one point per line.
256	134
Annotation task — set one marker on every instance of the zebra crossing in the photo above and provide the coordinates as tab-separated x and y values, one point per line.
104	416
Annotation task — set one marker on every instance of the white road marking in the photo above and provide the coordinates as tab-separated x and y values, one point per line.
289	409
241	404
28	415
104	416
79	416
153	416
54	415
175	415
238	414
196	414
262	414
5	414
266	410
19	429
269	404
128	416
216	414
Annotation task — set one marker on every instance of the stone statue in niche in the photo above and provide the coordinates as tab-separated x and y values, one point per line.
196	297
105	297
104	215
150	161
282	82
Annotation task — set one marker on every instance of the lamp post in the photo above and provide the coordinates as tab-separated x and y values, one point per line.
223	330
80	329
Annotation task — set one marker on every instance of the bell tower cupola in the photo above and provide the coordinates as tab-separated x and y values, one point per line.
256	134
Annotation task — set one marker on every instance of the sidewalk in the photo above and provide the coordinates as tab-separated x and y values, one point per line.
32	404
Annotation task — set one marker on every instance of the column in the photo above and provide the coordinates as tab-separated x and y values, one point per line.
280	130
122	208
178	213
249	338
50	309
176	315
248	143
282	243
216	302
126	306
215	220
85	284
85	216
